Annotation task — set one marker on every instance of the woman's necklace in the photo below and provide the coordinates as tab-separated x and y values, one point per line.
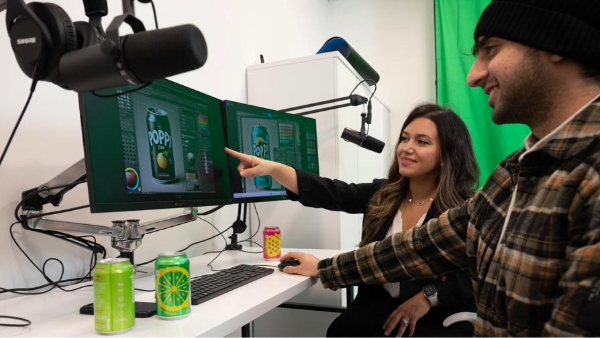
410	200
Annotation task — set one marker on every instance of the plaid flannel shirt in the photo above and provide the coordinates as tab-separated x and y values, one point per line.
530	237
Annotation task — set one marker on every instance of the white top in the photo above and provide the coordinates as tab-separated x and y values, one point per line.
394	288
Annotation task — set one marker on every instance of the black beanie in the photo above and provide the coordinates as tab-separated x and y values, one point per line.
570	28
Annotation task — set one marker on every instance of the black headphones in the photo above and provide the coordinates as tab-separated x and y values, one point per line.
41	33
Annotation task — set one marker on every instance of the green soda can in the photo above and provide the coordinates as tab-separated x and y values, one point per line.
261	149
114	298
160	140
173	294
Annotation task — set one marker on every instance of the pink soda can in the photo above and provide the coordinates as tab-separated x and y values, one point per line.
271	243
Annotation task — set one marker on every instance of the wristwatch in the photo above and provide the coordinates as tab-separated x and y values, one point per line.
431	293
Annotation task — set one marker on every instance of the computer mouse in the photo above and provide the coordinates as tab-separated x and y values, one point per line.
291	262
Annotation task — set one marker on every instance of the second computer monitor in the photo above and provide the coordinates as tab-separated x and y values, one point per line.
269	134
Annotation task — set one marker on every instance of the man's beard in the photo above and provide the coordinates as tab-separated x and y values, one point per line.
526	94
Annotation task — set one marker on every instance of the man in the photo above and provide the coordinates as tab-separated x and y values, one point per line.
531	236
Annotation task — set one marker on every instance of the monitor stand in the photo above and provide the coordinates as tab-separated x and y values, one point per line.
238	227
140	271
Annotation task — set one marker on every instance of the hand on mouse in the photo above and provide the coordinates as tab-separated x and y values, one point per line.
307	267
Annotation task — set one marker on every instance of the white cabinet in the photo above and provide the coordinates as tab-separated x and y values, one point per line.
295	82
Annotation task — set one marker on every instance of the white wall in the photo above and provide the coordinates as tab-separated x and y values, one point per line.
394	36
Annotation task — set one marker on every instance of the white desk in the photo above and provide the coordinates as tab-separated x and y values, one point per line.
57	313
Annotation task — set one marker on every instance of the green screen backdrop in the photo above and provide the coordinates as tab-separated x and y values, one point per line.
455	22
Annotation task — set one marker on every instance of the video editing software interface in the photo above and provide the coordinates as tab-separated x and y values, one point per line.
157	147
272	135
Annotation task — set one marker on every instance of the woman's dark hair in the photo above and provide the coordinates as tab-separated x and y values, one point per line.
457	180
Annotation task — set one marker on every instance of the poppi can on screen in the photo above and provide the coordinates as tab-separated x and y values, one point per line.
261	148
173	293
114	297
160	141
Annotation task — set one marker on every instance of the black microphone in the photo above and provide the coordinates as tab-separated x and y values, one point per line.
134	59
360	137
363	140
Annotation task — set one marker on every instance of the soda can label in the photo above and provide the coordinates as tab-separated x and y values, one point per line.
262	149
114	297
161	145
272	243
173	293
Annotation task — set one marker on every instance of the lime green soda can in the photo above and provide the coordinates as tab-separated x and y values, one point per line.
173	293
114	297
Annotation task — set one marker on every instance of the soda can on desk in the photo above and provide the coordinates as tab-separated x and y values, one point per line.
114	297
173	293
271	243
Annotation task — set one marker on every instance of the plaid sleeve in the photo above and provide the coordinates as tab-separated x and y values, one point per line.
424	251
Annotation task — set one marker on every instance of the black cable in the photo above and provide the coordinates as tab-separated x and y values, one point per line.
154	12
211	211
123	93
257	230
35	192
77	240
55	212
52	284
217	256
366	80
14	131
194	243
26	322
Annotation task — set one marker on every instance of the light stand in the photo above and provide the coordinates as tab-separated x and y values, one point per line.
360	138
355	100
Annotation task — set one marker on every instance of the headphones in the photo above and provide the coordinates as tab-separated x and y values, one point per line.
41	33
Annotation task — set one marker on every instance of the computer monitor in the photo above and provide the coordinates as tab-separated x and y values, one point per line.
269	134
158	147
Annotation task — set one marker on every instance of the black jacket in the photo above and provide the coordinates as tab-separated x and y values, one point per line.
455	292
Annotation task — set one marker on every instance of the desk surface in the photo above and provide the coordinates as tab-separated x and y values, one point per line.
56	313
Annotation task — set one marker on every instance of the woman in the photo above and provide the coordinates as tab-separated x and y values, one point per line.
435	170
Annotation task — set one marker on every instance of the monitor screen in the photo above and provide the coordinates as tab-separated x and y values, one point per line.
272	135
158	147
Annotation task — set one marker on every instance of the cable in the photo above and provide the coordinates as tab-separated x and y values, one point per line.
123	93
257	230
77	240
26	322
194	243
211	211
14	131
52	284
35	192
154	12
366	80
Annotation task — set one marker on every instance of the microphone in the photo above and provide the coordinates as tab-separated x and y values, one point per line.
135	58
360	138
363	140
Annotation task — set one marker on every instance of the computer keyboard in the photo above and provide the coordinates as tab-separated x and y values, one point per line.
210	286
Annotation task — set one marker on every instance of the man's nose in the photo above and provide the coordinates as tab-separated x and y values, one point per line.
477	74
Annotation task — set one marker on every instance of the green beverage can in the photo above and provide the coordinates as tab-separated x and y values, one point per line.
161	145
261	148
114	297
173	293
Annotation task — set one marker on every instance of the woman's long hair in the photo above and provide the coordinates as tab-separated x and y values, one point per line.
458	176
